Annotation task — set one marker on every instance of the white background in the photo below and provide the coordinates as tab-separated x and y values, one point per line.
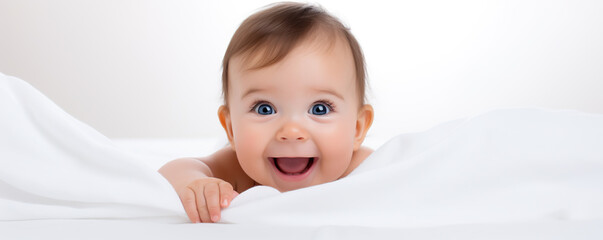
151	69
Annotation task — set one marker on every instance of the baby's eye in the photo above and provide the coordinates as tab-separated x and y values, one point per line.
320	109
264	109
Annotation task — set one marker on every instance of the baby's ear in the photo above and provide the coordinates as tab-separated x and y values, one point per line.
224	116
363	123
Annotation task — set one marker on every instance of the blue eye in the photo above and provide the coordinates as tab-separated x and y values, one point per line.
264	109
320	109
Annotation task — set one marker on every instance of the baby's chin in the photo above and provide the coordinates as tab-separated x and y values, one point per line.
291	188
287	186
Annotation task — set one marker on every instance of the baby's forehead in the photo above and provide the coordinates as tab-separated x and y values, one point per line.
266	54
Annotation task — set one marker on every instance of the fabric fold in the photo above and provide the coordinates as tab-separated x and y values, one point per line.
54	166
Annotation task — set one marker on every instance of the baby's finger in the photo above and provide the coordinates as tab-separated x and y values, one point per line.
212	198
201	205
226	194
190	205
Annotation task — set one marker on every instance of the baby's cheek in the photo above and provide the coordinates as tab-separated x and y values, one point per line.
249	145
248	139
337	153
334	166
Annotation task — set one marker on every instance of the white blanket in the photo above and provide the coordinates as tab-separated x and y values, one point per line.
54	166
505	166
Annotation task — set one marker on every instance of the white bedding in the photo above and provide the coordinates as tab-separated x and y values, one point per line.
515	173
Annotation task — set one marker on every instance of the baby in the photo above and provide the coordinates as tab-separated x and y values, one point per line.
294	110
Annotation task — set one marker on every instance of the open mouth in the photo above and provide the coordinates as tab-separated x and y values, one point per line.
293	166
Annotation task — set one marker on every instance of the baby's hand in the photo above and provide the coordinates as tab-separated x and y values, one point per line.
203	184
204	198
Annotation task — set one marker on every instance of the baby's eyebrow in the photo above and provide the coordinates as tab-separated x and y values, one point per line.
318	90
250	91
330	92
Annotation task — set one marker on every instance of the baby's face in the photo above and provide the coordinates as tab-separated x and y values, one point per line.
293	124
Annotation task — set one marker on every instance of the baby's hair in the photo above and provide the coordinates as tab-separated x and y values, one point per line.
267	36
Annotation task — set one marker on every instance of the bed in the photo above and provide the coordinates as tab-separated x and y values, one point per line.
504	174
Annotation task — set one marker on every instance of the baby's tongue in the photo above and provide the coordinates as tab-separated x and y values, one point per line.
292	165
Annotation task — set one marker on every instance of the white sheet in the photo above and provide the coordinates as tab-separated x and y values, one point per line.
63	229
54	166
516	167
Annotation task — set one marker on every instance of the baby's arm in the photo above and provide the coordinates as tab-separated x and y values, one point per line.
206	185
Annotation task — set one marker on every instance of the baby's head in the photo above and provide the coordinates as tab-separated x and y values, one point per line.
294	107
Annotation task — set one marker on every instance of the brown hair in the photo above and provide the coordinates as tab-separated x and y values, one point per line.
269	35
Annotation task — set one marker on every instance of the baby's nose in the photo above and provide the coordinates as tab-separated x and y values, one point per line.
292	131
